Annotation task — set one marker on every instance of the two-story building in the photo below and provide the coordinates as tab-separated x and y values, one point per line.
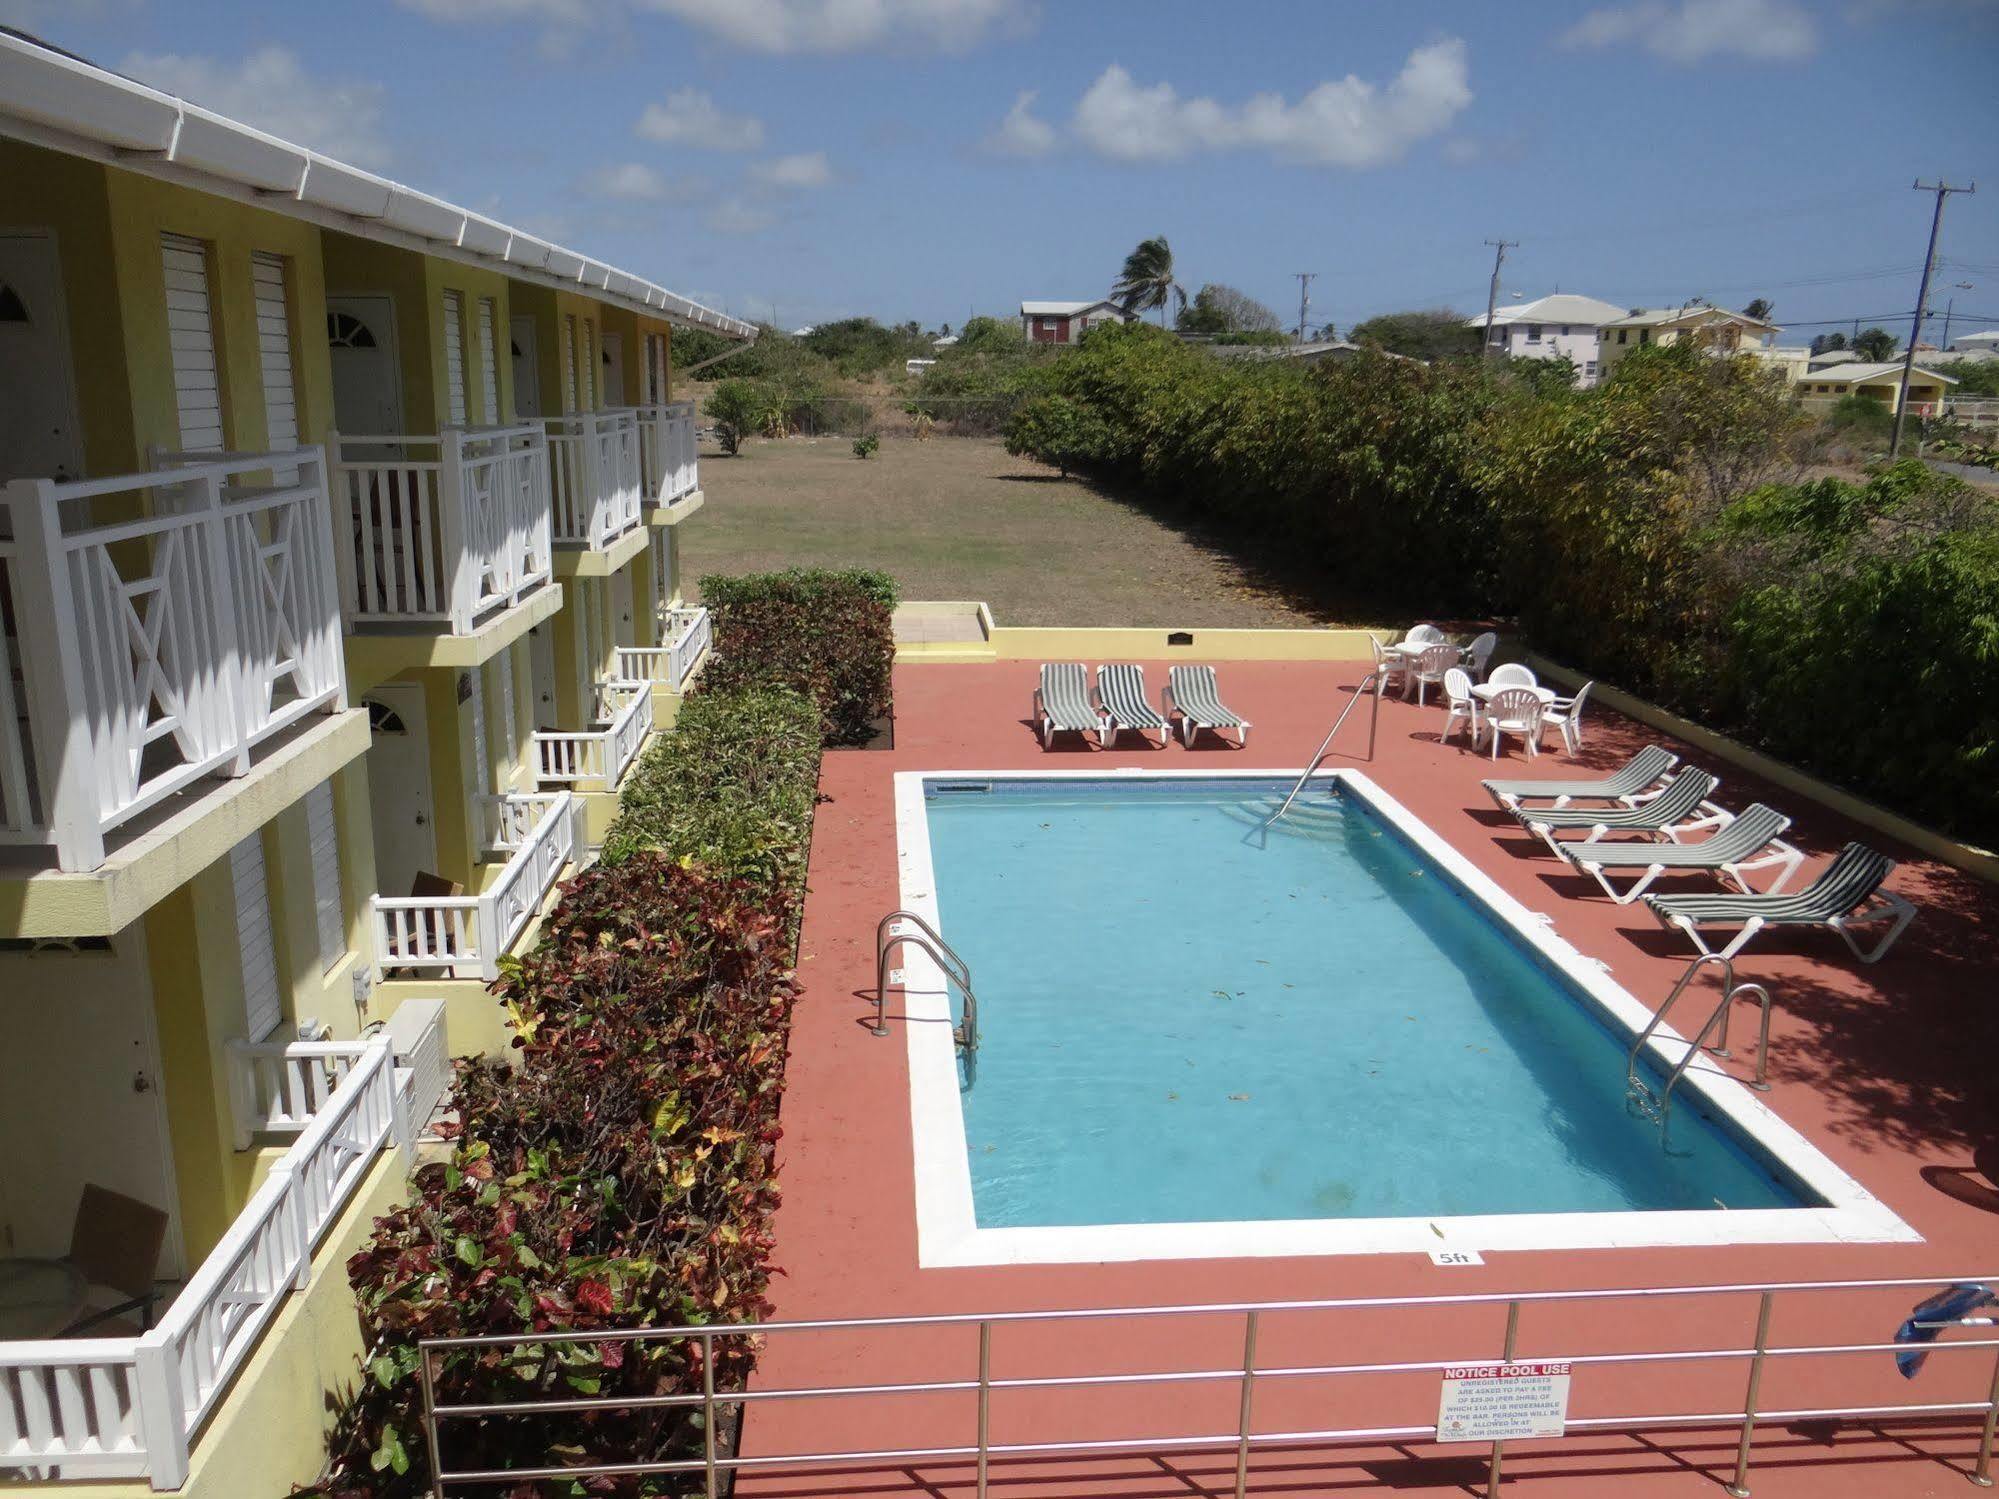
1561	326
1065	322
1716	329
337	595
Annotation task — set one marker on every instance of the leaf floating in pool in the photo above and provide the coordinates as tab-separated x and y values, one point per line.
1220	993
1416	874
1264	961
1172	1097
1238	1098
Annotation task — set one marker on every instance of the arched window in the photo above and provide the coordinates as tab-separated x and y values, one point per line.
345	331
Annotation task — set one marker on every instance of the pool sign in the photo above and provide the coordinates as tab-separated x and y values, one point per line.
1497	1402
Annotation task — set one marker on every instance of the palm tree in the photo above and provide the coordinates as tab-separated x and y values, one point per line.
1147	279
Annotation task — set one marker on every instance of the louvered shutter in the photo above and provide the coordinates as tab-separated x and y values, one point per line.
569	363
454	356
274	350
489	362
482	760
323	833
262	1008
589	365
191	340
503	670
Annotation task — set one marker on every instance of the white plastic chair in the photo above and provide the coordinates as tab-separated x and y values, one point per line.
1457	690
1517	710
1478	653
1566	714
1428	669
1423	635
1512	674
1387	667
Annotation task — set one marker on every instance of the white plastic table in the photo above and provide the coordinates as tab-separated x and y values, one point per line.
39	1298
1486	691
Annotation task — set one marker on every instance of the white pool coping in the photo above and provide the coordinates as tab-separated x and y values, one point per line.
947	1229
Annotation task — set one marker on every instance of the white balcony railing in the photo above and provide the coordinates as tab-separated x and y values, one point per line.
596	759
442	528
668	466
129	1407
686	632
468	934
164	625
278	1087
594	458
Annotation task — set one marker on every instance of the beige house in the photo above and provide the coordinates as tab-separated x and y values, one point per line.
1714	328
1878	382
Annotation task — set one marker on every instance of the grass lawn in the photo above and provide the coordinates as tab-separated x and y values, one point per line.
957	518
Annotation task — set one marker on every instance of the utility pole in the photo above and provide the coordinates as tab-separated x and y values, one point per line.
1943	190
1305	279
1499	249
1948	308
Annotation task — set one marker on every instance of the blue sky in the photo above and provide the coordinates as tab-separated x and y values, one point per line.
933	158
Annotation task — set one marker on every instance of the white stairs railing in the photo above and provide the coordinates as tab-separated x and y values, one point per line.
107	1408
165	624
466	935
443	528
594	462
597	758
687	634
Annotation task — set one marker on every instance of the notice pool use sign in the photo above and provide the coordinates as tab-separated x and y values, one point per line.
1498	1402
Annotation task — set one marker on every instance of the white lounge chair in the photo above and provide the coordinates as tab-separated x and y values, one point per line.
1848	894
1744	843
1681	807
1193	693
1122	701
1062	703
1636	780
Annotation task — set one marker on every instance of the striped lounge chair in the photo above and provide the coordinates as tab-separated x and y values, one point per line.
1062	703
1848	894
1681	807
1744	843
1121	699
1191	692
1630	783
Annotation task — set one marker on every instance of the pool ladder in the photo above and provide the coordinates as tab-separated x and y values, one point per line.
915	931
1373	679
1656	1103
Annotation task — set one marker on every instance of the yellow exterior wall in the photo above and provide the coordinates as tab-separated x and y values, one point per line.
108	225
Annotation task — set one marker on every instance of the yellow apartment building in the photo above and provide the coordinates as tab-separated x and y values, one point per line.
338	594
1714	328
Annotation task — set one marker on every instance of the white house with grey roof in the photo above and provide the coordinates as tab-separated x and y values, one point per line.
1554	327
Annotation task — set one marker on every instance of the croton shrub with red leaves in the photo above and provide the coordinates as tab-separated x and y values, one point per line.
619	1174
825	632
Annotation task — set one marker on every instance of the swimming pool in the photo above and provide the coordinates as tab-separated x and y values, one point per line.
1336	1036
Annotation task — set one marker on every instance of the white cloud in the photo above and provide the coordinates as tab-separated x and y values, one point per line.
807	169
577	11
1022	132
269	89
739	216
1689	31
635	182
689	117
848	25
1348	123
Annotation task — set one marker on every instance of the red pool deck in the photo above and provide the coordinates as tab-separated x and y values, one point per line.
1888	1069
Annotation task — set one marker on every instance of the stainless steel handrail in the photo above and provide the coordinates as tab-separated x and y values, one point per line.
1374	679
931	941
1657	1103
714	1467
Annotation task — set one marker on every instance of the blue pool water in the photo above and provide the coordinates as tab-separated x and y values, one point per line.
1181	1022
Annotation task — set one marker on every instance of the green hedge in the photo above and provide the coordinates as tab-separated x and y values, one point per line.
1647	530
624	1173
826	633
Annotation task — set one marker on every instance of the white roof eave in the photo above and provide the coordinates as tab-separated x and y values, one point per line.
53	99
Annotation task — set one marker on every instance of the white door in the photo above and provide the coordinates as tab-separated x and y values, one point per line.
527	371
274	350
367	381
39	434
191	337
399	786
80	1094
541	674
614	369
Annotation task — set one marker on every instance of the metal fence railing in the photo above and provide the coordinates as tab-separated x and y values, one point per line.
1669	1321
